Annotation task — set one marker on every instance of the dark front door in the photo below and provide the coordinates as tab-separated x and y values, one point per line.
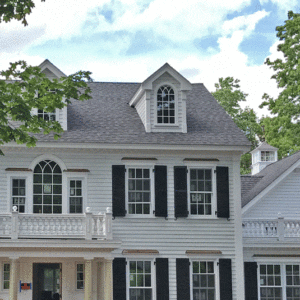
46	282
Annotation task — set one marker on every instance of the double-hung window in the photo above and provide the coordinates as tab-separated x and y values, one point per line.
19	194
80	276
267	155
165	105
203	280
6	276
140	280
76	196
279	281
201	192
47	116
139	190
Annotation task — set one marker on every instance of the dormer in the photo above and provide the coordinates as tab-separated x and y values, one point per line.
262	156
60	115
161	101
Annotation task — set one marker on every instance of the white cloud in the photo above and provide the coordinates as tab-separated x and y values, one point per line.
284	5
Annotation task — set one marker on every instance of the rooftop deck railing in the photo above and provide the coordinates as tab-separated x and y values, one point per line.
86	226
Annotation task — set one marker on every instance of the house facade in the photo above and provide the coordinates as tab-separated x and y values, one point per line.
271	222
139	198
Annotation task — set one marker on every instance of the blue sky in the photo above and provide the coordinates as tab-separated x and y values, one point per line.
128	40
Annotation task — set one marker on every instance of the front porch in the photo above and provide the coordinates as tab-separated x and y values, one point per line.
86	226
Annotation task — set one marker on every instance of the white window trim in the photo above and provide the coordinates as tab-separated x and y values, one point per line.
79	263
282	262
176	94
83	178
28	176
216	273
153	274
152	189
2	276
212	167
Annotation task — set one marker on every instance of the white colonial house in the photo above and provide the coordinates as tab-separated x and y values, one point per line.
271	226
138	200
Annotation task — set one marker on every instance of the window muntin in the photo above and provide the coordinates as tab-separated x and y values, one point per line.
267	156
292	282
139	191
47	116
6	276
19	194
80	276
47	188
75	196
270	282
201	192
203	280
165	105
140	280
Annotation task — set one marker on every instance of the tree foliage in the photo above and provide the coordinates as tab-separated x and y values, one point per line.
25	88
282	129
16	9
229	95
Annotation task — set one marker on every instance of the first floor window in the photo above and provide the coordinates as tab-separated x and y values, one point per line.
203	279
140	280
75	197
139	191
279	281
80	276
201	192
19	194
6	276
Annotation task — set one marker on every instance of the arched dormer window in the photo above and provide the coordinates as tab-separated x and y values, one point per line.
165	105
47	188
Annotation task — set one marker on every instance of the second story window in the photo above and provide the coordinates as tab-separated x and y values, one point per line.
47	188
267	156
19	194
165	105
47	116
75	196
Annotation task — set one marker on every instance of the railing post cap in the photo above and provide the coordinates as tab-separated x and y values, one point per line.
87	210
108	210
15	208
279	216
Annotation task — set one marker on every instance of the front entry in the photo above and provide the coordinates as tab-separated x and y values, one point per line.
46	282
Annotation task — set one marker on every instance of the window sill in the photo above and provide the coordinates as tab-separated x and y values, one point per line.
202	217
158	125
140	216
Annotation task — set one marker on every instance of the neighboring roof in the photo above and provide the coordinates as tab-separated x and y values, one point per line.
264	147
252	186
108	118
46	64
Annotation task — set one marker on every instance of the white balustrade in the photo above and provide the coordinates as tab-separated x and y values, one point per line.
68	226
279	228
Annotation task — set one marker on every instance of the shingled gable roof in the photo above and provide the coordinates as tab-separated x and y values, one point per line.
253	186
47	64
264	147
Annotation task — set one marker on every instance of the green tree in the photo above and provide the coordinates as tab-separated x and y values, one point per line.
24	88
282	129
229	95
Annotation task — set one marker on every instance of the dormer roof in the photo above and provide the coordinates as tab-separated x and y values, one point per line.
48	68
264	147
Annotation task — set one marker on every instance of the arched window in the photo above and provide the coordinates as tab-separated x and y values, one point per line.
165	105
47	188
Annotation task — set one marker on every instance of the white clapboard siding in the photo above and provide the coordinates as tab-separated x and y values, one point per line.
283	198
170	237
141	109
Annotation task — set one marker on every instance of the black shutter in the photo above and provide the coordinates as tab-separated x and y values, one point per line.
183	278
180	185
118	191
250	269
161	204
223	192
162	279
119	278
225	279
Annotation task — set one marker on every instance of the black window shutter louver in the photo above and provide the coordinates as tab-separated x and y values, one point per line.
180	186
162	279
161	204
119	278
223	192
250	269
225	279
183	278
118	191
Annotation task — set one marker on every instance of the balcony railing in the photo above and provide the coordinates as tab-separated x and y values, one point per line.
86	226
278	228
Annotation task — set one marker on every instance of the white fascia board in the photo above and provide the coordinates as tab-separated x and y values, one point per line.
46	64
137	96
231	148
270	187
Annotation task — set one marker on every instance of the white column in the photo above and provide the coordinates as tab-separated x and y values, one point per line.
14	279
108	280
88	281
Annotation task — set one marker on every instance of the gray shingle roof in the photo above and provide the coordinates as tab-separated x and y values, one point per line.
107	118
252	186
265	147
